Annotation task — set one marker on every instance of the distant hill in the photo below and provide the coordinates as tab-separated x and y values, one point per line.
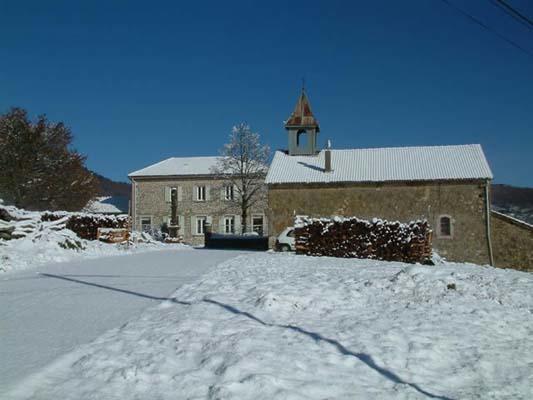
113	197
514	201
113	188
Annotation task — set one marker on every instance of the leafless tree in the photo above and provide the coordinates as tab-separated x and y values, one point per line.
242	165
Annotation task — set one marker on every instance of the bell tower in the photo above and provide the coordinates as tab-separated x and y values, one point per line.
302	127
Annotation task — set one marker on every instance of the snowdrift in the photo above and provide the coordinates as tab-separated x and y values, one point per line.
30	238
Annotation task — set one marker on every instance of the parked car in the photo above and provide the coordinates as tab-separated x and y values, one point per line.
285	241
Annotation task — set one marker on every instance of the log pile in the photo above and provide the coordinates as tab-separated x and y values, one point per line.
86	225
113	235
356	238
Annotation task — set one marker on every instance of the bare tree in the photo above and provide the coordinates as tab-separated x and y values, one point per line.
242	165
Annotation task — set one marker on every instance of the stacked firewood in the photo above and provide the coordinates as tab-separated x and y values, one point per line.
357	238
113	235
86	225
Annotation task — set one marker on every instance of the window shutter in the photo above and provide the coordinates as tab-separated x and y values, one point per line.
265	225
223	193
167	194
193	224
207	193
238	224
194	193
221	225
236	194
180	193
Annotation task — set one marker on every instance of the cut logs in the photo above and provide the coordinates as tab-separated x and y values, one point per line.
357	238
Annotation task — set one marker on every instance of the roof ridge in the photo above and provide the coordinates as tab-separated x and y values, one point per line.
410	147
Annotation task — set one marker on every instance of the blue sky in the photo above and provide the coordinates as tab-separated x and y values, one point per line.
138	82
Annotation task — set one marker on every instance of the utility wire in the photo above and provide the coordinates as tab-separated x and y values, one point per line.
488	28
513	12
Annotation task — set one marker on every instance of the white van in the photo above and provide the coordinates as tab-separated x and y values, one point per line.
285	241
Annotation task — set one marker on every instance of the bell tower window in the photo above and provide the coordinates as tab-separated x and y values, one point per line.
302	127
301	138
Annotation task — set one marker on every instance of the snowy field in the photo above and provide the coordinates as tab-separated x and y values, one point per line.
264	326
51	310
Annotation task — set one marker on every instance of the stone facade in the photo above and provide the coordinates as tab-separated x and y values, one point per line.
463	202
151	202
512	242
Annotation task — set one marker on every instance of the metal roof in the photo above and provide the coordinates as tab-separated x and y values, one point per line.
423	163
178	166
302	116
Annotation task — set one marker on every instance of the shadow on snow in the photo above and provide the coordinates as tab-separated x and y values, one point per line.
365	358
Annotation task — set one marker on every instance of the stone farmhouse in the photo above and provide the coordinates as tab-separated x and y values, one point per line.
447	185
202	198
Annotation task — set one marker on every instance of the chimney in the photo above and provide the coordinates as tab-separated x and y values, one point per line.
327	158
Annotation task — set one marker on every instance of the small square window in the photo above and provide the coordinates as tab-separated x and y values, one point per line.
146	224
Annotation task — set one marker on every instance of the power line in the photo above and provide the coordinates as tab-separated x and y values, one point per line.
488	28
513	12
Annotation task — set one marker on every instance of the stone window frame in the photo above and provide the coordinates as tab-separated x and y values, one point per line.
196	218
232	224
201	193
141	217
440	235
262	215
229	193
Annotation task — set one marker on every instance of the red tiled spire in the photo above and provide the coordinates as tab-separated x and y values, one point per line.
302	116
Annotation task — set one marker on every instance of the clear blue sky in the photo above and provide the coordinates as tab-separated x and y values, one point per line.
138	82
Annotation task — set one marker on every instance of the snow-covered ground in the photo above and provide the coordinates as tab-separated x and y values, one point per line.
35	243
48	312
264	326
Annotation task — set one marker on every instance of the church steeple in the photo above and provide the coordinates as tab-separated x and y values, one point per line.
302	127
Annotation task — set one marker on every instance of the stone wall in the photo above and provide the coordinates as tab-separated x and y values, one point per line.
149	201
463	202
512	242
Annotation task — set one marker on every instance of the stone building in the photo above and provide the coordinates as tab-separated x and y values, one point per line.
512	241
447	185
201	198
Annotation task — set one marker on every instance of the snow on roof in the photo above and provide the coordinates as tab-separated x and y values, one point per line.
179	166
421	163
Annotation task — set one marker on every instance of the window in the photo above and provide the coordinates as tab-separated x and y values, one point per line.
200	193
301	138
146	224
445	226
229	224
200	225
168	193
257	224
228	192
290	233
